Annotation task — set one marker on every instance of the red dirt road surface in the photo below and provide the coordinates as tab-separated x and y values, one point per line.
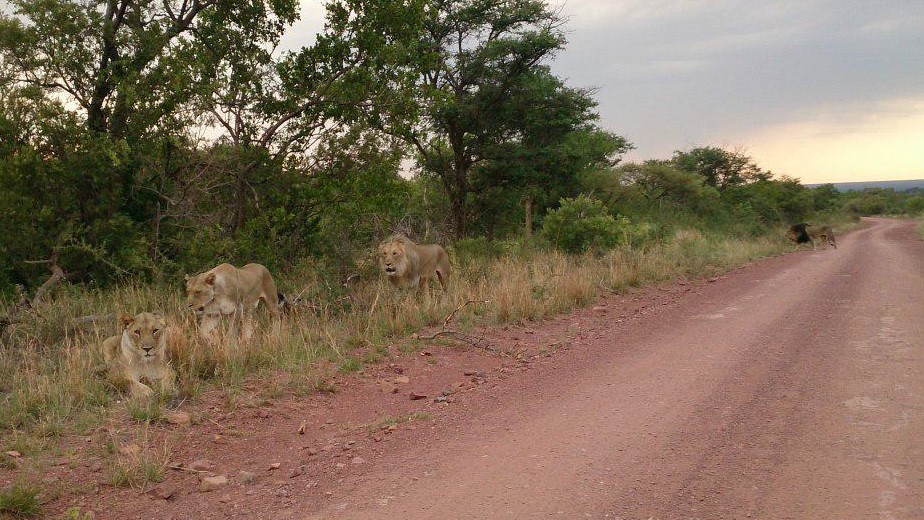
792	388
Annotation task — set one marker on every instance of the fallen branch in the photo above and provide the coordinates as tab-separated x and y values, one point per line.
461	336
459	308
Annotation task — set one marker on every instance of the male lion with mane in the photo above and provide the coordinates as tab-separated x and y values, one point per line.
143	351
803	233
408	265
226	290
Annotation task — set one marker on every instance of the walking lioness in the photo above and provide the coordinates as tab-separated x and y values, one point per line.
228	291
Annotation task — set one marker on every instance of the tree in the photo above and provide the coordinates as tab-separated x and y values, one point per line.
661	183
720	168
127	63
554	141
473	58
111	94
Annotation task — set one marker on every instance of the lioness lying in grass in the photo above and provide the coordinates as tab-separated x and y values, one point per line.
143	352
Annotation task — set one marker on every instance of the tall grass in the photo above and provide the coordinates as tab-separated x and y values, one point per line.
49	361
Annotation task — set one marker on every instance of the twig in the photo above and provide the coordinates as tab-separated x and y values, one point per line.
57	274
178	467
378	293
459	308
461	336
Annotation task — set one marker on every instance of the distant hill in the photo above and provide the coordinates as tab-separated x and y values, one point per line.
856	186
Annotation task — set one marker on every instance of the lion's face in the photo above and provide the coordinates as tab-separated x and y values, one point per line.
144	334
200	291
393	256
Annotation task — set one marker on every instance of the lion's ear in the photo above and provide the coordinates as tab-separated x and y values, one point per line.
125	319
210	278
186	277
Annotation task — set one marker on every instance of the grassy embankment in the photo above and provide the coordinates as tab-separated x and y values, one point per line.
49	360
50	388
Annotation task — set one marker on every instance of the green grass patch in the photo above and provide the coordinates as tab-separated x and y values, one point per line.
136	473
146	410
20	500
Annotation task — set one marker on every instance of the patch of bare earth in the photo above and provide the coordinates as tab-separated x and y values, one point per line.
790	388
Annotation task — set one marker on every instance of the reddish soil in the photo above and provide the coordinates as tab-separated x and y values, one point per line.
792	388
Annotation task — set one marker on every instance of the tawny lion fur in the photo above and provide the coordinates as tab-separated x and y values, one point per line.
228	291
143	352
802	233
408	265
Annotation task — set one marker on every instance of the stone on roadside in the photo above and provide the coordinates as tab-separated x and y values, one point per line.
246	477
212	483
163	491
178	418
201	465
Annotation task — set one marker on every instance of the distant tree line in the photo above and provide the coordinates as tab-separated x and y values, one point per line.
145	139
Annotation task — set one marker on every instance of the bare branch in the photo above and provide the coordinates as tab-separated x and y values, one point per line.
461	336
459	308
57	274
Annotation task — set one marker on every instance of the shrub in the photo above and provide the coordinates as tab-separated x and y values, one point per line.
20	501
582	223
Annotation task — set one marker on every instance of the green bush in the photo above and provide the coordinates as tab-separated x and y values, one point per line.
582	223
20	501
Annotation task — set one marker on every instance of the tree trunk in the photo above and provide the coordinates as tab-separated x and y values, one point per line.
240	216
528	208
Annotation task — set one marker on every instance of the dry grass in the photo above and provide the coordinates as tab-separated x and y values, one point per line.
137	463
52	360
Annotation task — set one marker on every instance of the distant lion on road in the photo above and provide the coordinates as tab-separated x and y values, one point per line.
803	233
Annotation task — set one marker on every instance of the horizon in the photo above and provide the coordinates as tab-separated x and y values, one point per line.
821	91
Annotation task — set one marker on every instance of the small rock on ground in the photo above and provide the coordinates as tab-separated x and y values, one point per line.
212	483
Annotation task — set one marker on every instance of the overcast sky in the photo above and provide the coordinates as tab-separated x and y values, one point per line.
820	90
826	90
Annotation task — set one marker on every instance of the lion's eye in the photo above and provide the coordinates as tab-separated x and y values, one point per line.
137	333
155	331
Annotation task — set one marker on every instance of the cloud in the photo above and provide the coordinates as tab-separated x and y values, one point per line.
821	89
847	142
671	75
304	31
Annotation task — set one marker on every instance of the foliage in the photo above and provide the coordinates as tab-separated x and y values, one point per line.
20	500
486	103
719	168
879	201
582	223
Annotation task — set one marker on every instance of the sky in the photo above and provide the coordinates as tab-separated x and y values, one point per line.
824	91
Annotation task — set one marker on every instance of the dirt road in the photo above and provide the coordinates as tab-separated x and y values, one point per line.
791	388
794	389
